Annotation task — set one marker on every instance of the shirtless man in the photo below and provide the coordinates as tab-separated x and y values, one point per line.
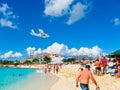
84	77
98	67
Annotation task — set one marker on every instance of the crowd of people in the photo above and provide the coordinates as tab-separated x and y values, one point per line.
87	68
99	67
102	66
52	68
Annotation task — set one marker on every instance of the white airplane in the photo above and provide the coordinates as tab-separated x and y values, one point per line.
40	34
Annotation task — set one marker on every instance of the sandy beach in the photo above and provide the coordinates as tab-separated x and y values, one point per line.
67	75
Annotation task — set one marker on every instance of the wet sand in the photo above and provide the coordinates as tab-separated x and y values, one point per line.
38	81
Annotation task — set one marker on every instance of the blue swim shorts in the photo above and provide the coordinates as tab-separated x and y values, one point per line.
84	86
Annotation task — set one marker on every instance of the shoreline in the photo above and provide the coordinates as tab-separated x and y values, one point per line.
25	66
66	80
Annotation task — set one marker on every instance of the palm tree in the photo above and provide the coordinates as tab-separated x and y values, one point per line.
27	62
47	59
35	60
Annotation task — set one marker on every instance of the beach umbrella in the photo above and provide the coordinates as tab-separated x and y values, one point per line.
116	53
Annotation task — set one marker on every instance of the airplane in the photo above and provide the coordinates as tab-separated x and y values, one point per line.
40	34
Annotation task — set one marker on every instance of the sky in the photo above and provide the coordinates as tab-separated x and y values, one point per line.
75	27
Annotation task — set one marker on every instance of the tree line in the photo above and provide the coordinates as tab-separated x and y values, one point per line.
45	60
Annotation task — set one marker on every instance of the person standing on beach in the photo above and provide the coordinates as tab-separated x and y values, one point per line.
104	64
118	66
56	68
45	70
84	77
98	67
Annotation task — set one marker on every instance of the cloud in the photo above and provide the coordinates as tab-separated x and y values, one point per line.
74	10
7	16
30	50
77	12
33	51
39	51
57	8
10	54
62	49
8	23
17	54
116	21
57	48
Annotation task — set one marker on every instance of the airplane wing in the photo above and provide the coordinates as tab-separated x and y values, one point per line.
41	31
43	34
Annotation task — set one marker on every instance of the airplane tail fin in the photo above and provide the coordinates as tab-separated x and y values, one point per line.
32	32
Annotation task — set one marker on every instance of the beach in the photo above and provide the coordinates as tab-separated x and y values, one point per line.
67	75
65	81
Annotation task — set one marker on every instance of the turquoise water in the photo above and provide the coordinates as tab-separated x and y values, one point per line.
11	76
24	79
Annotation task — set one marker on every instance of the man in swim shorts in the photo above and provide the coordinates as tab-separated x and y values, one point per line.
83	77
98	67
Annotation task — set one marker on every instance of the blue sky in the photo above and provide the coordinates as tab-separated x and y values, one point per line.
71	24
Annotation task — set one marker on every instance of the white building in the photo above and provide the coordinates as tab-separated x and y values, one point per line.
56	60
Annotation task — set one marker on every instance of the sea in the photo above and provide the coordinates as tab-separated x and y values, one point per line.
25	79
